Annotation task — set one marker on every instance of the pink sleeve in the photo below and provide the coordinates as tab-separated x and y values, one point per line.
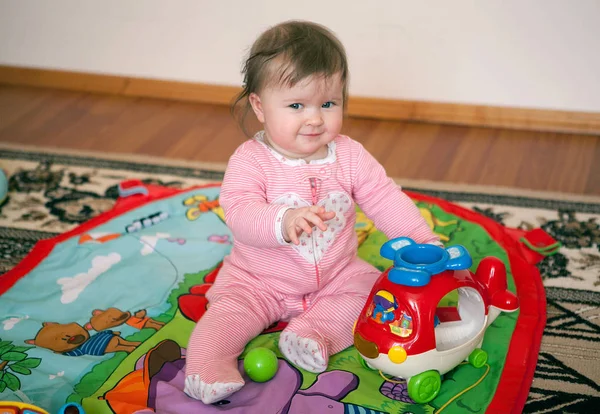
382	200
250	218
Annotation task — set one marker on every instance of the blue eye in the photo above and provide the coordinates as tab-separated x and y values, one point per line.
327	105
295	106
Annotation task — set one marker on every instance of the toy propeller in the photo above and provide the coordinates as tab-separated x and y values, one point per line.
415	263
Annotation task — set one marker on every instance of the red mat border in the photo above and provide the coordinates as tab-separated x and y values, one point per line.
515	381
521	359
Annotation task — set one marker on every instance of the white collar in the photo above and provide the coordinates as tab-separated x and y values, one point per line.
294	162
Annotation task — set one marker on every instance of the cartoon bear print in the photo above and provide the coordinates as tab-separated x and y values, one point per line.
73	339
112	317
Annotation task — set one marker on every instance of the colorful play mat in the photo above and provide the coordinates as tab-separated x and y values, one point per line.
101	316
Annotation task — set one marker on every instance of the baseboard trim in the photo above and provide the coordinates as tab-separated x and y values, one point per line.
362	107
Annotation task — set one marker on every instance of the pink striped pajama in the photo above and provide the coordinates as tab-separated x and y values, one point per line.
321	285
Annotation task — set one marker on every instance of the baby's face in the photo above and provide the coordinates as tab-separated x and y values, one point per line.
300	121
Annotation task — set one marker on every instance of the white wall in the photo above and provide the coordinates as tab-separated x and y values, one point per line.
534	53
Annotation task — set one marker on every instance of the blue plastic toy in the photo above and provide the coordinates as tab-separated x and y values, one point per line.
414	264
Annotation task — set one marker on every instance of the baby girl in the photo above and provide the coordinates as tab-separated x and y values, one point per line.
289	197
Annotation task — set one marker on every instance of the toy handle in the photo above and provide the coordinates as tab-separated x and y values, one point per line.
389	248
408	277
459	258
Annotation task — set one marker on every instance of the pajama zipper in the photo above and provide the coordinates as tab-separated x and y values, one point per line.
313	191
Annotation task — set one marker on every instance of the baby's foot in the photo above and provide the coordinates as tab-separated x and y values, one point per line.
308	354
209	393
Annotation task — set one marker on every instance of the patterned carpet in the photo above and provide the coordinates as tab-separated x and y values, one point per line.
51	192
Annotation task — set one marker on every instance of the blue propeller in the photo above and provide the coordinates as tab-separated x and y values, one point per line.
415	263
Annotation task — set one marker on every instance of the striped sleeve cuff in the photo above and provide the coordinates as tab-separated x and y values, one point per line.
279	226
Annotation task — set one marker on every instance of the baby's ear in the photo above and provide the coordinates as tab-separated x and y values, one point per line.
97	312
30	341
256	104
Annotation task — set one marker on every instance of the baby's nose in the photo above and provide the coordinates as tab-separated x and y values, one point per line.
315	118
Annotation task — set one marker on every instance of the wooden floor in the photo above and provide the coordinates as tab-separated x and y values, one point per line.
534	160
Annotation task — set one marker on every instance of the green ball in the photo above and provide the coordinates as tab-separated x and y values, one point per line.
260	364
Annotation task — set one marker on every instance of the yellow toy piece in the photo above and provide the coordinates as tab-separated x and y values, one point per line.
363	227
13	407
432	222
200	204
397	354
386	295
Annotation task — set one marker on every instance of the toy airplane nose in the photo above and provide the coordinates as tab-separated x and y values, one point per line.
414	263
366	348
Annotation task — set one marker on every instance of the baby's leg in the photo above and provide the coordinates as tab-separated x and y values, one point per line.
325	328
230	322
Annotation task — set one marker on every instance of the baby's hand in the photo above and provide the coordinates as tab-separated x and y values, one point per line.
304	219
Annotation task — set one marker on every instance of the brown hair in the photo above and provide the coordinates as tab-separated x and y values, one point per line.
285	55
